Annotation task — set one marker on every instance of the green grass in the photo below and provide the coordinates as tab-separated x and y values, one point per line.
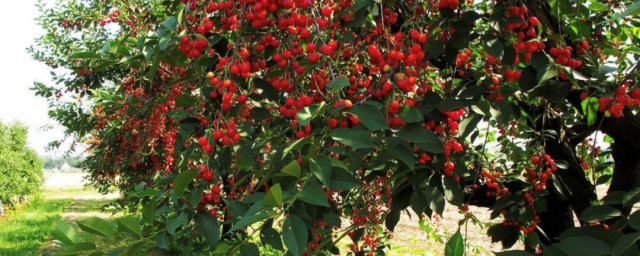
23	231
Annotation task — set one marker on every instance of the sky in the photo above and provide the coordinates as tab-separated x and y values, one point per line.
17	74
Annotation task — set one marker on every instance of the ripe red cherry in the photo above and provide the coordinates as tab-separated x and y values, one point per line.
217	134
533	21
207	176
495	80
394	105
531	32
314	58
326	11
203	141
535	160
215	190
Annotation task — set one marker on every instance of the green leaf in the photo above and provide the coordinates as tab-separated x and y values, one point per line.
482	108
183	180
342	179
590	110
528	79
437	202
426	139
598	7
468	125
451	104
248	220
296	144
85	55
633	9
274	196
313	193
493	46
185	101
502	112
306	114
65	233
356	139
149	211
410	114
545	73
209	229
321	167
270	236
170	24
539	60
370	116
624	243
498	232
292	169
332	219
596	213
130	224
631	198
583	246
249	249
294	234
176	222
98	226
470	16
419	202
452	191
509	55
514	253
82	248
266	89
260	114
401	150
338	84
455	245
634	220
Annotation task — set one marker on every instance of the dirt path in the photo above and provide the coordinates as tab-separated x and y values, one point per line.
85	202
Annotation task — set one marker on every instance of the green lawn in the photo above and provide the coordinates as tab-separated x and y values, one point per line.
23	231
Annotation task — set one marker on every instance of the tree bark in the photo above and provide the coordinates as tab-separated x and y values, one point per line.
625	132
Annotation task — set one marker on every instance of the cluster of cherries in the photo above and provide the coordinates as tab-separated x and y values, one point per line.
613	106
192	48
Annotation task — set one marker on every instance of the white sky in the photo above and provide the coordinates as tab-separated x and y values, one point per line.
18	72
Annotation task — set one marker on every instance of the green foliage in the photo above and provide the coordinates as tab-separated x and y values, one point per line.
20	167
216	131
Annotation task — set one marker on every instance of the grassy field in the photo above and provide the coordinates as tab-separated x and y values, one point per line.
24	229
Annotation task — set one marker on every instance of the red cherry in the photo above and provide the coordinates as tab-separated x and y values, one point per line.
326	11
217	134
203	141
531	32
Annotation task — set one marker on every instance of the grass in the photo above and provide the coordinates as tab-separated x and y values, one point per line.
24	230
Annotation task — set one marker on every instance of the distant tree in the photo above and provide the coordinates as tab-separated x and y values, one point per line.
20	167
